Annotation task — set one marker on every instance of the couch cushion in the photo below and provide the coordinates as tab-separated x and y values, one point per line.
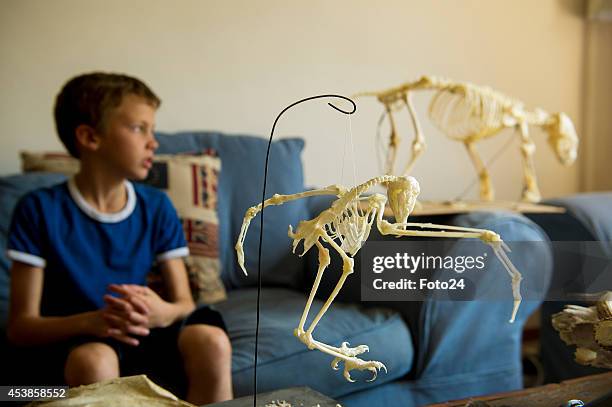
240	187
49	161
283	361
11	189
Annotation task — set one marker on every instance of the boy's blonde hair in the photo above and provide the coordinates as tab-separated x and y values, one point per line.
88	98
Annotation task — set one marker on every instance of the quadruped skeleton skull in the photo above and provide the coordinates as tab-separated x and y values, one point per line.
345	226
469	113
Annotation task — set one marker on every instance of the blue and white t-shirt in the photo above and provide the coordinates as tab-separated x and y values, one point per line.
83	250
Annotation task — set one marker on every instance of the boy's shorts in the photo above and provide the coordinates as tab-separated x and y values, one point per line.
157	355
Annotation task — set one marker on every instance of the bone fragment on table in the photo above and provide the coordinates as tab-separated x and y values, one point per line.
589	329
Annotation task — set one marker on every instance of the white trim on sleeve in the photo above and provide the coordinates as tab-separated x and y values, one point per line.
173	254
26	258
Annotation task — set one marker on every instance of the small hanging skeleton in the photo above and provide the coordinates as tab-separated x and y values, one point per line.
469	113
590	329
345	226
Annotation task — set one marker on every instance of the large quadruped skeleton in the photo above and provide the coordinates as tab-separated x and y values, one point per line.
590	329
345	226
469	113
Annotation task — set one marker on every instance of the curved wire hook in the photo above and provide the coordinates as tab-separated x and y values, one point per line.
263	198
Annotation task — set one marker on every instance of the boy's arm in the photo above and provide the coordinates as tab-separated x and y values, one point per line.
176	281
177	285
26	327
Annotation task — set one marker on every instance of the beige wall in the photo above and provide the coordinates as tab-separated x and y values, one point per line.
233	65
596	163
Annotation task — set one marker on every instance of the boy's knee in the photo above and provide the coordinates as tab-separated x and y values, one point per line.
204	339
90	363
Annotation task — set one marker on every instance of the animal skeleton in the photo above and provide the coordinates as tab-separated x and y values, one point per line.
590	329
469	113
345	226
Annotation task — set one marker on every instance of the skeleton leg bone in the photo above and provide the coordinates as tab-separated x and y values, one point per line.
324	261
343	353
393	142
306	337
531	192
486	189
418	145
489	237
347	268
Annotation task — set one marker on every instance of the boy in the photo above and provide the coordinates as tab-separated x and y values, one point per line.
81	251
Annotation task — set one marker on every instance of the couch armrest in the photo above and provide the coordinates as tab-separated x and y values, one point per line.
480	328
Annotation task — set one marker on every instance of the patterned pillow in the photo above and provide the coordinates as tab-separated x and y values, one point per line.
60	162
190	181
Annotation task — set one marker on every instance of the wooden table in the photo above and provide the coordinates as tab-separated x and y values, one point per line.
296	396
587	389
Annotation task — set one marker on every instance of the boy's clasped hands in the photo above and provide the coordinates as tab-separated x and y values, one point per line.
136	310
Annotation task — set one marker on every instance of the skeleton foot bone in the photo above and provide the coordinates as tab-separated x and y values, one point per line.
343	354
353	363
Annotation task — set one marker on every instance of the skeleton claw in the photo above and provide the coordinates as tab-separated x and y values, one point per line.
334	363
351	362
356	363
374	370
348	352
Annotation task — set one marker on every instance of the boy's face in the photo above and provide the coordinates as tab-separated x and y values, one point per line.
127	142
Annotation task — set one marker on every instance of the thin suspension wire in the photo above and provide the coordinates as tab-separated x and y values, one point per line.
381	150
263	198
352	150
348	138
343	159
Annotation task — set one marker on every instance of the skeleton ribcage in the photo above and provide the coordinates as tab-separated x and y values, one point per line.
351	228
467	111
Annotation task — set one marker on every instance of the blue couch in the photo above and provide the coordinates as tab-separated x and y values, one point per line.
434	350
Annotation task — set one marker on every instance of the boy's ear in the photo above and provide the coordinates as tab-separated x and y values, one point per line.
87	138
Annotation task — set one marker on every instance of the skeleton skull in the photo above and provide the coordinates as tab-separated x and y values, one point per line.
562	138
